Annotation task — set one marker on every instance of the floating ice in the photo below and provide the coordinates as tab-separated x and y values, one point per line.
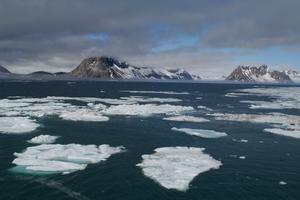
282	124
204	108
241	140
242	157
278	131
176	167
186	118
146	109
57	158
282	183
154	92
200	132
43	139
83	115
17	125
282	97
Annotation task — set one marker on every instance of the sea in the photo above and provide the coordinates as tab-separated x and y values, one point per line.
160	141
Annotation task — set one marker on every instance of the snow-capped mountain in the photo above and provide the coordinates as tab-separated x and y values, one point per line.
294	75
4	70
110	68
258	74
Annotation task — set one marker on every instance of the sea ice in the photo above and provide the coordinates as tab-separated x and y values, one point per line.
17	125
176	167
278	131
58	158
146	109
283	124
43	139
83	115
154	92
200	132
186	118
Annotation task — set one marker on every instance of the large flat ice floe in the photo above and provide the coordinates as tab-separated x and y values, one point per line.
281	97
281	124
186	118
176	167
17	125
43	139
58	158
146	109
83	115
154	92
200	132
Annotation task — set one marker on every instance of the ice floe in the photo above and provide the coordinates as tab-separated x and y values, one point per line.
200	132
43	139
176	167
281	124
58	158
186	118
17	125
241	140
146	109
281	97
83	115
278	131
154	92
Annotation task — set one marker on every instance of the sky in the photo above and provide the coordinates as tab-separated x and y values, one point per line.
206	37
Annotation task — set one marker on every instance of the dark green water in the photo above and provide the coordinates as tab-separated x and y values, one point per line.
256	177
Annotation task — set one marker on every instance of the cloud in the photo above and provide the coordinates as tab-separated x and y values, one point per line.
202	36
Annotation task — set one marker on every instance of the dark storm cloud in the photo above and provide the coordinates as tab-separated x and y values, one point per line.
56	34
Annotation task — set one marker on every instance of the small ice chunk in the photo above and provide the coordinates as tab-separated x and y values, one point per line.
241	140
200	132
186	118
242	157
176	167
282	183
58	158
17	125
43	139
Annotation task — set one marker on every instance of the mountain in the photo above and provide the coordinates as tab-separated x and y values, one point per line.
258	74
294	75
110	68
4	70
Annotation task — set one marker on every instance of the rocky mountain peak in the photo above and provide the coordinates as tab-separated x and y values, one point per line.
258	74
4	70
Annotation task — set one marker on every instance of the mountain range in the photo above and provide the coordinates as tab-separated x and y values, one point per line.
110	68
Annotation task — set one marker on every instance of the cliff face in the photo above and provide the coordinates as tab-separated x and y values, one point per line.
258	74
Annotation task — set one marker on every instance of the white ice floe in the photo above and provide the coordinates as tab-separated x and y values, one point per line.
200	132
43	139
57	158
154	92
146	109
278	131
17	125
176	167
241	140
186	118
242	157
282	124
282	183
204	108
83	115
282	97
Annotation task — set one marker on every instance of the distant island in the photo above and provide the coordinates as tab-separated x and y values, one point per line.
108	68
